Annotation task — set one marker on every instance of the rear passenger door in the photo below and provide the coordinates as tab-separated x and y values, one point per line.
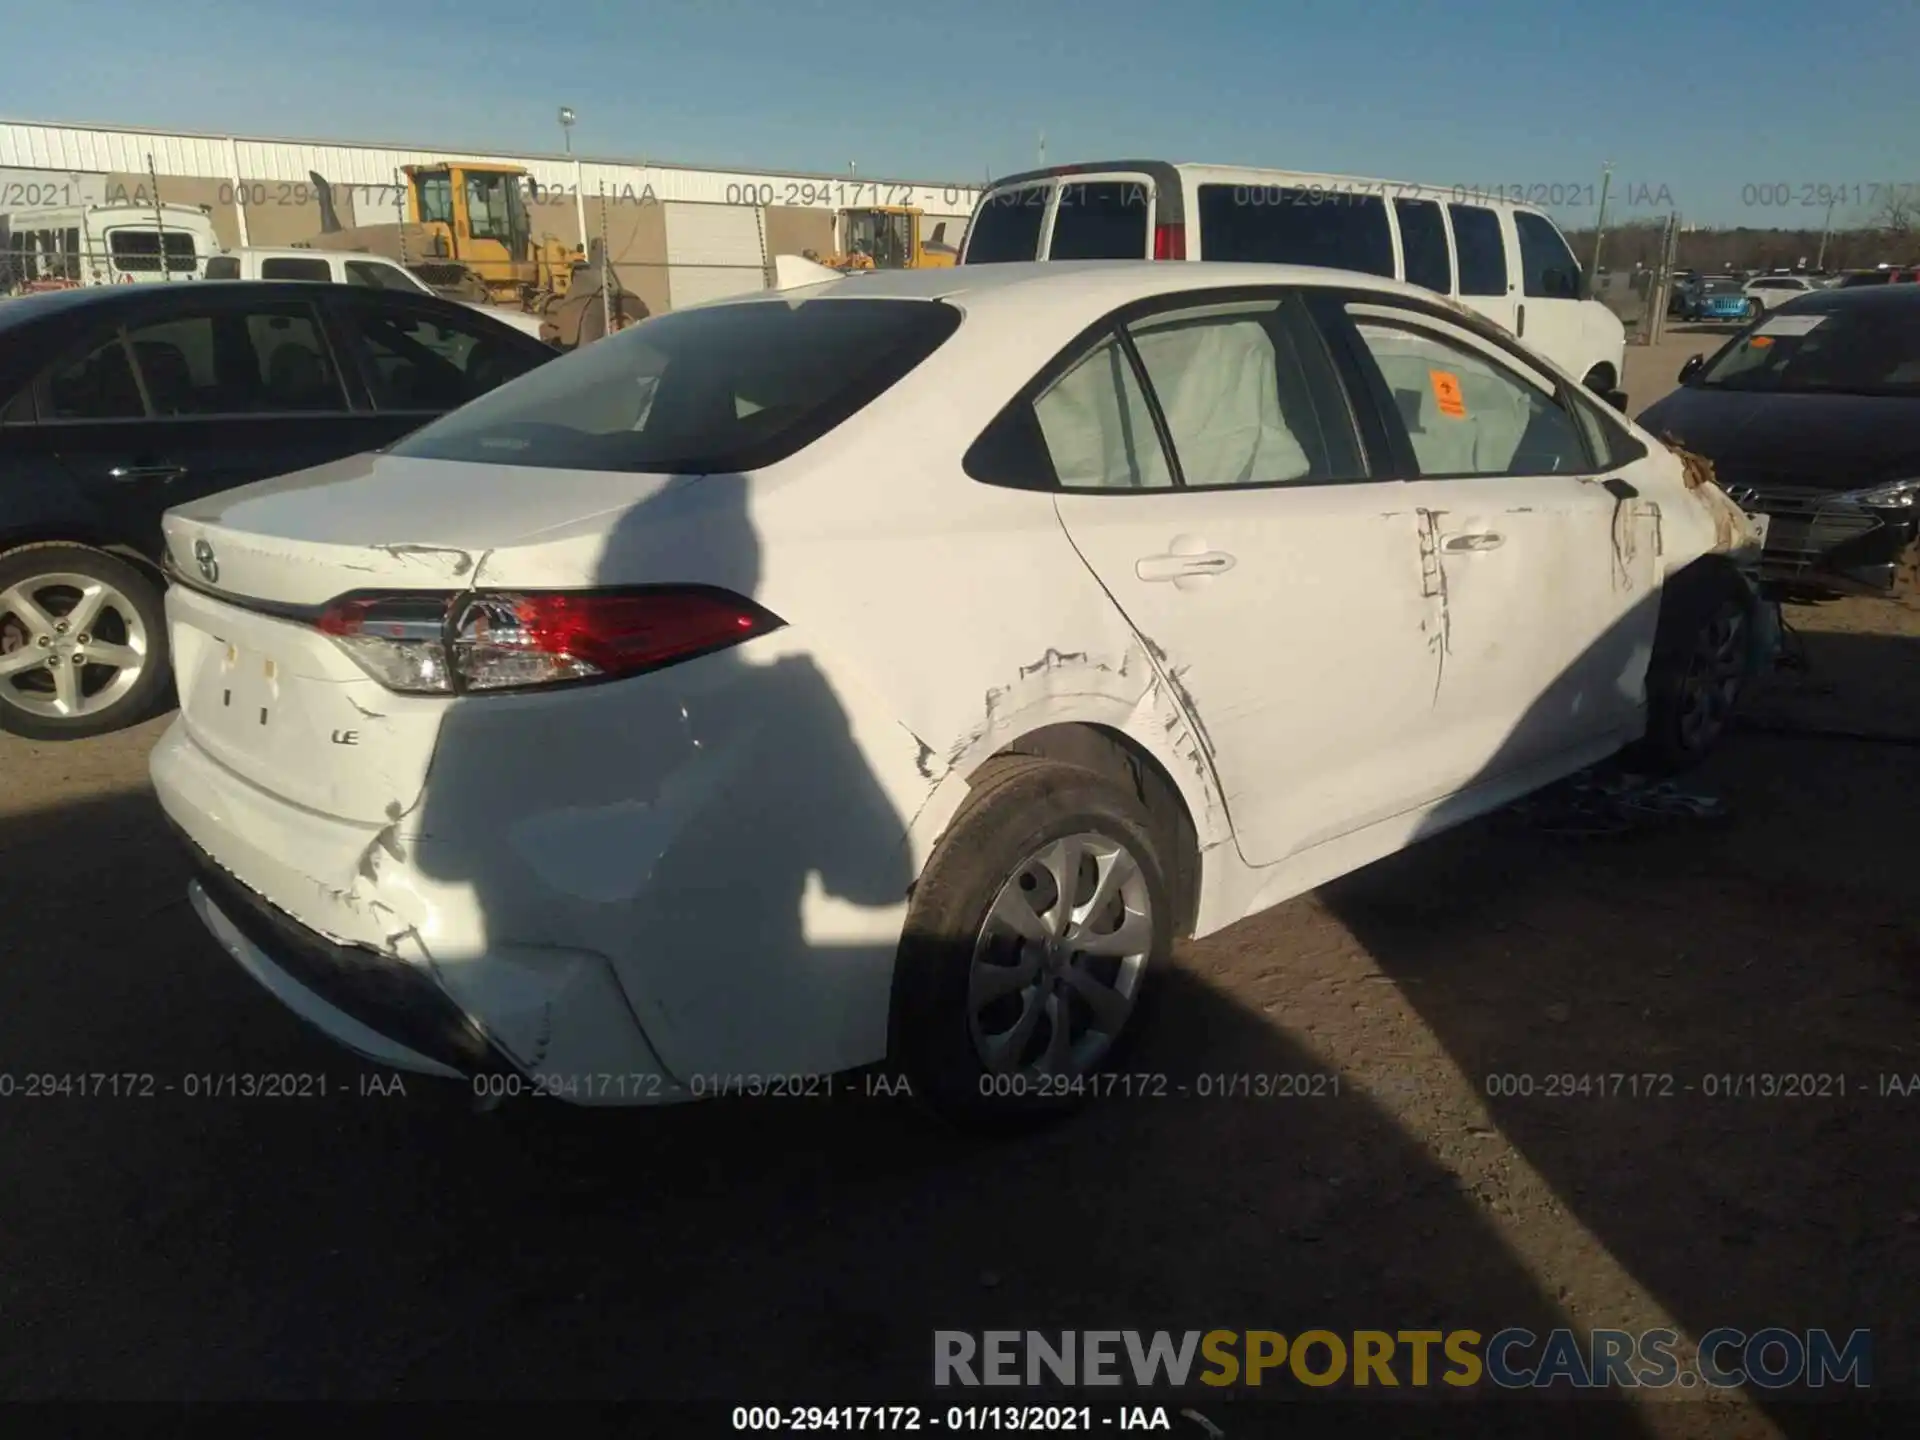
1212	475
193	399
1542	554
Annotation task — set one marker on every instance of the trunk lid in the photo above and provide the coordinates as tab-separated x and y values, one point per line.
277	702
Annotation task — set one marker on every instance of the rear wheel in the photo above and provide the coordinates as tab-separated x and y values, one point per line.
1034	935
83	643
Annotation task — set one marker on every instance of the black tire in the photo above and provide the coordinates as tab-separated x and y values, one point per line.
143	698
1703	611
1020	805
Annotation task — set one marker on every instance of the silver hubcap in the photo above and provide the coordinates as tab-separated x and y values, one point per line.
1715	675
1059	959
70	646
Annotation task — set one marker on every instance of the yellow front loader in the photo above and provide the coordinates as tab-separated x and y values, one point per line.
887	237
466	233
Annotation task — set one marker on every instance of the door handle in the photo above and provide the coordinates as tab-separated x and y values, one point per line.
147	472
1474	540
1520	320
1180	567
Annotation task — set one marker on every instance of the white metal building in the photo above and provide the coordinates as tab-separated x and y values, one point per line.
677	234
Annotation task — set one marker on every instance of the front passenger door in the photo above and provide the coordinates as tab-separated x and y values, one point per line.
1211	474
1546	556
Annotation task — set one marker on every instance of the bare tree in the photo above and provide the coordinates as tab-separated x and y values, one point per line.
1895	219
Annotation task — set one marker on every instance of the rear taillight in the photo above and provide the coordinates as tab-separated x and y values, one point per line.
436	643
1169	242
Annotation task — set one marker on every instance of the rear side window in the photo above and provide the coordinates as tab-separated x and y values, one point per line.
1101	220
1481	248
700	391
1097	428
1007	226
1548	269
289	267
223	267
417	361
1279	225
1423	244
139	250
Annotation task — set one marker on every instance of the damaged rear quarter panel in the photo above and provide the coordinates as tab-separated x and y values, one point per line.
970	622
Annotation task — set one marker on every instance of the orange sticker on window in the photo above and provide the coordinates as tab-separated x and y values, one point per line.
1760	342
1446	390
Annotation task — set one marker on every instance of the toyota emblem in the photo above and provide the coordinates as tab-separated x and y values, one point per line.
203	557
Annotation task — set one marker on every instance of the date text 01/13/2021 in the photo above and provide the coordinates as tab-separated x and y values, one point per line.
1027	1419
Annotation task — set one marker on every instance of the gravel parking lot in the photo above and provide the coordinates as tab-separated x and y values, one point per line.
369	1245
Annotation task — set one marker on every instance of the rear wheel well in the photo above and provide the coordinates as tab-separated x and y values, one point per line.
1601	378
1115	755
30	539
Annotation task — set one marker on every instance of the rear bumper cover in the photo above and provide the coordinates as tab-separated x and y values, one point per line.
409	1018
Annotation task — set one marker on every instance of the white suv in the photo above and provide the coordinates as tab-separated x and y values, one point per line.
1508	262
1767	291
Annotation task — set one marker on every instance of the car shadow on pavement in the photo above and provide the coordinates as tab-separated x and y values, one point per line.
1644	1015
381	1240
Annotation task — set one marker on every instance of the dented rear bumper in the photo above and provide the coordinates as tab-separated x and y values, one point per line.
375	1004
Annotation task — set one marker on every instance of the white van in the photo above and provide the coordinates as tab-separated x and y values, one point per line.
342	267
104	244
1507	261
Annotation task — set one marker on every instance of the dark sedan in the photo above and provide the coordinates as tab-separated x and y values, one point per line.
1812	417
119	402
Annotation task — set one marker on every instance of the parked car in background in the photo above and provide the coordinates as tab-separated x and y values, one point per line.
1888	275
1812	418
1507	261
1764	292
1717	297
343	267
119	401
623	730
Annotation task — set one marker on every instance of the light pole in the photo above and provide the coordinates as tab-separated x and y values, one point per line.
1820	262
1600	220
566	127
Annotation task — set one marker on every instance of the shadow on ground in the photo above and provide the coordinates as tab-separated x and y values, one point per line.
1772	954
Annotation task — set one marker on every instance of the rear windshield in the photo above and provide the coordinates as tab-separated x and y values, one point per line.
1006	227
1100	220
1282	225
700	391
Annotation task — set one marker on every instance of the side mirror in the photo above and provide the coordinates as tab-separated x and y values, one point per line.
1695	364
1616	398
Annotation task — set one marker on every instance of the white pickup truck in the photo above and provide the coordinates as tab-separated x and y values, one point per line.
341	267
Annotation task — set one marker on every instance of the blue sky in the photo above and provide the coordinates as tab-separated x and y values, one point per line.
1733	111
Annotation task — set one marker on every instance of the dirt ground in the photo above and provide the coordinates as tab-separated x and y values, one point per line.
372	1246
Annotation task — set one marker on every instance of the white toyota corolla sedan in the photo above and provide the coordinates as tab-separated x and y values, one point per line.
891	670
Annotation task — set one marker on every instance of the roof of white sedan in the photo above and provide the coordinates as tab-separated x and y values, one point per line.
1077	281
